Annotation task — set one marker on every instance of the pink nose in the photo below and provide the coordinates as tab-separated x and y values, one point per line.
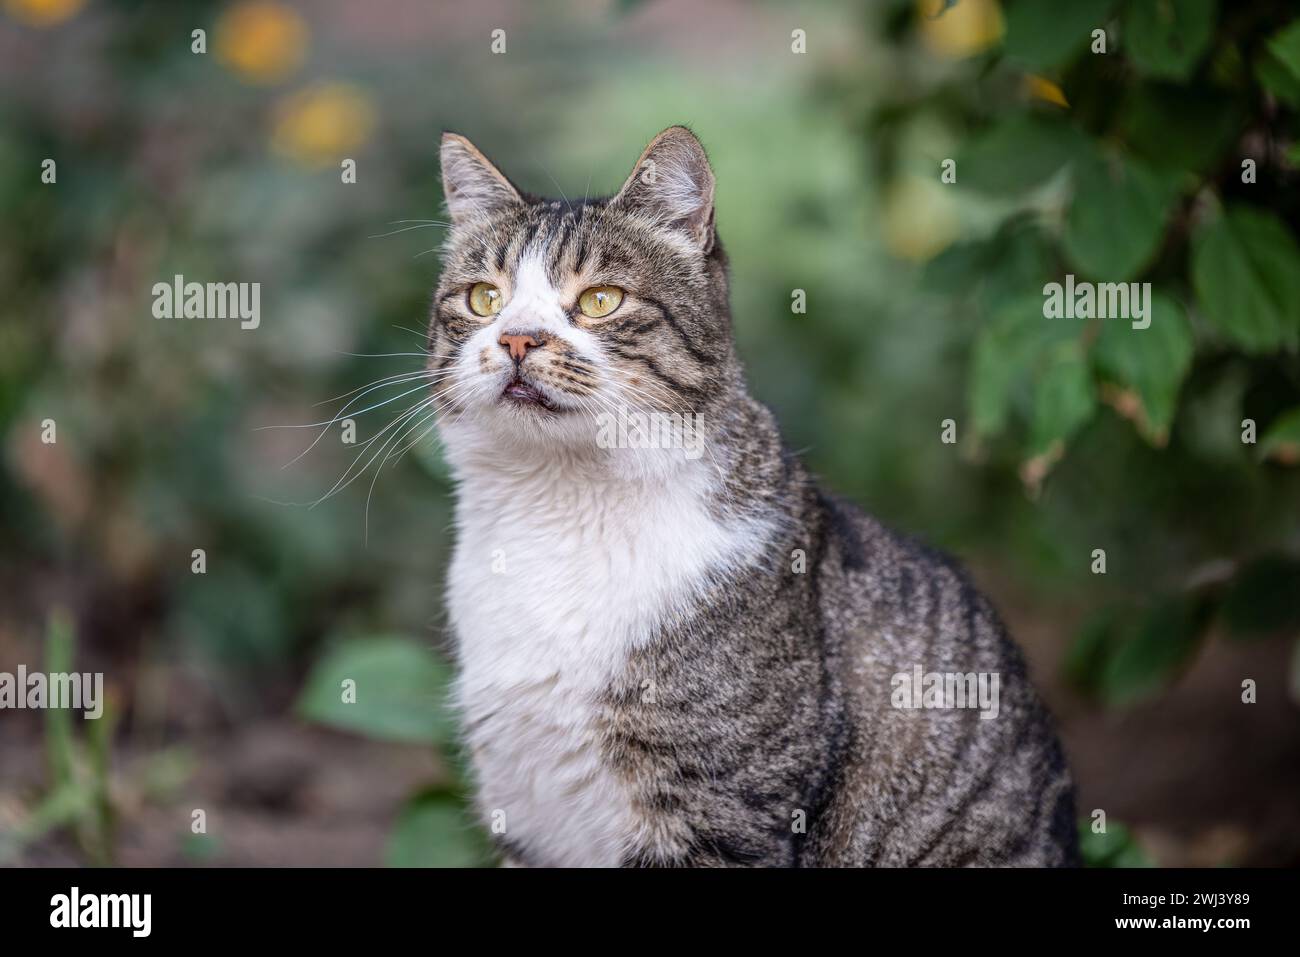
518	346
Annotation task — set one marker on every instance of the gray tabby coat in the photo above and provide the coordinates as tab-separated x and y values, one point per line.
677	660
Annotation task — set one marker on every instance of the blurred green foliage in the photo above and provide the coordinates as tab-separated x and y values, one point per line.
1159	156
388	688
1114	847
392	689
85	791
924	303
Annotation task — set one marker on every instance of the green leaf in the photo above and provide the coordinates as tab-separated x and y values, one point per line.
958	268
1165	641
1285	46
1115	848
988	273
1181	128
1006	352
992	376
1022	355
1148	364
1282	440
1276	77
1246	270
1166	38
60	742
1017	154
435	830
200	848
401	691
63	807
1092	648
1117	216
1042	34
1261	601
1023	255
1063	400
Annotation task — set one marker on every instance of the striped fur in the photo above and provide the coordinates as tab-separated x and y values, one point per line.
676	661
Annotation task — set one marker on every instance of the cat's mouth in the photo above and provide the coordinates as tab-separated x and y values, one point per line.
519	392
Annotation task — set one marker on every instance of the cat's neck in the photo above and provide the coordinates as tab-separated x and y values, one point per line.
485	469
736	470
735	466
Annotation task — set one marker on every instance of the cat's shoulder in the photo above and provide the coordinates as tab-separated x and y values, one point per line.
901	589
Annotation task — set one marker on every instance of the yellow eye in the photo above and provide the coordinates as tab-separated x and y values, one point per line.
599	301
485	299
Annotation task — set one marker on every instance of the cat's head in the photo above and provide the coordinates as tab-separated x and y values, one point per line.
553	314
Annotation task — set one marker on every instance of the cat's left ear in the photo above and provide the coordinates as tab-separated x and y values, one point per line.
673	183
471	184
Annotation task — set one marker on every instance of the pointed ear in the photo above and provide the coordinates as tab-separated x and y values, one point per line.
673	183
471	185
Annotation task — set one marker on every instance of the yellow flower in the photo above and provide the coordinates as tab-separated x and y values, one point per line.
323	123
918	220
43	13
954	29
261	40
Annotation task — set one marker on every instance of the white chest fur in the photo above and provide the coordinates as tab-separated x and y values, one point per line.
555	578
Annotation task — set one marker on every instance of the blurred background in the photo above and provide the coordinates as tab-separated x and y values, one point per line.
1163	150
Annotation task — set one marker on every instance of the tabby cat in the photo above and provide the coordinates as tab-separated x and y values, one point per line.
680	651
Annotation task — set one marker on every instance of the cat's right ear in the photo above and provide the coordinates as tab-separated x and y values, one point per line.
471	185
672	183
